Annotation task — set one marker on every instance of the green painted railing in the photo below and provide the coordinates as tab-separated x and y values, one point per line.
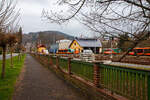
54	60
82	69
63	63
127	82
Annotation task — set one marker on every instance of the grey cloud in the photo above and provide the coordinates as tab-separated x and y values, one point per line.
31	18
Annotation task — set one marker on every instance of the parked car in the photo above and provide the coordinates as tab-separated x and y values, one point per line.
87	52
87	55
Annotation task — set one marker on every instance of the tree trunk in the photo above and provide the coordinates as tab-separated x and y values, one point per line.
11	58
19	57
3	62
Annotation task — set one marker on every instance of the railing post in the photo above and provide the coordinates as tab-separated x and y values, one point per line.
57	62
69	66
148	87
96	74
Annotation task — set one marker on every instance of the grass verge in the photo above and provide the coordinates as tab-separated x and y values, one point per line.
8	83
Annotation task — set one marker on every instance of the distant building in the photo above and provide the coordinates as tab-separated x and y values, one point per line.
63	44
81	44
54	48
29	47
108	43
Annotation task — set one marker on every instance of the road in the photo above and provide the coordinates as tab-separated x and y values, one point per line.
8	56
128	65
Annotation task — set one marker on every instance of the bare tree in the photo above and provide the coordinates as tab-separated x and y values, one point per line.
108	17
8	16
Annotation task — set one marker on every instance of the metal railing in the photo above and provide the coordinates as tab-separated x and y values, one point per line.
82	69
53	59
63	63
131	83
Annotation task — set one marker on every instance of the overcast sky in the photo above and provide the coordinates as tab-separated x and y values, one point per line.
31	20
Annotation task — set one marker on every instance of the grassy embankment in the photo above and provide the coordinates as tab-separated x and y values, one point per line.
8	83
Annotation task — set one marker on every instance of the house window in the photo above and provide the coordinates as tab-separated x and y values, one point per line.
74	43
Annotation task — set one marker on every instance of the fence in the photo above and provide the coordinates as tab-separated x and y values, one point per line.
128	82
82	69
53	60
63	63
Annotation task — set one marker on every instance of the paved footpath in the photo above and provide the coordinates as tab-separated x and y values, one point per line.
38	83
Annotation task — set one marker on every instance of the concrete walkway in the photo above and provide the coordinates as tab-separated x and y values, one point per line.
38	83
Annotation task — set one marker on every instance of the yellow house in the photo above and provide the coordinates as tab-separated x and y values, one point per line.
76	47
41	48
81	44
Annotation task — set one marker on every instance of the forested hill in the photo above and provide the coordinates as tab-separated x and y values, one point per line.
45	37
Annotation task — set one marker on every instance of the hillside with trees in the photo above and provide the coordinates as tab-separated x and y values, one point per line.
44	37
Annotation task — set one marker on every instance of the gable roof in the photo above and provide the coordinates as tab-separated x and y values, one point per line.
89	42
41	45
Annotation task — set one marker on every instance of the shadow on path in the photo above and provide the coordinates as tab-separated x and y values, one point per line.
38	83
